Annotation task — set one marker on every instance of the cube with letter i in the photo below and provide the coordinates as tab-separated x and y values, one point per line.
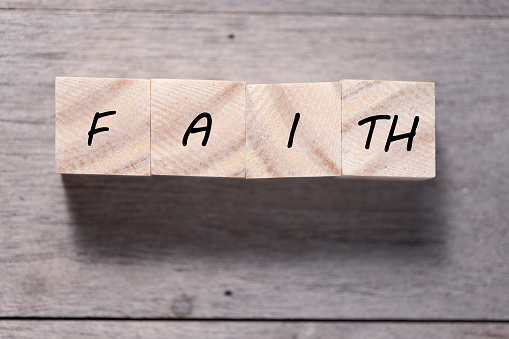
293	130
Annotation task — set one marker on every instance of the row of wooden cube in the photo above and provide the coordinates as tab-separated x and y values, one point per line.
227	129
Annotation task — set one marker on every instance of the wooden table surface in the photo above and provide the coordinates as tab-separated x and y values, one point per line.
191	257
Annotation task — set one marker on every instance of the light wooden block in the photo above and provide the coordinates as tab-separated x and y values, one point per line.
175	104
125	148
362	99
316	148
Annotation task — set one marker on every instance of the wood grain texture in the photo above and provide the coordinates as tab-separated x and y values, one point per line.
490	8
307	248
175	105
122	150
270	116
248	330
362	99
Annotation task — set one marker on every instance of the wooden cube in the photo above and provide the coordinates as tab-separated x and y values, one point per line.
388	129
198	128
102	126
293	130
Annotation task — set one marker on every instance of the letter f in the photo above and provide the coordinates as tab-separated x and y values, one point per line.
94	130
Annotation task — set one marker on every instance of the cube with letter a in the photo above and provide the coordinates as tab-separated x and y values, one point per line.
198	128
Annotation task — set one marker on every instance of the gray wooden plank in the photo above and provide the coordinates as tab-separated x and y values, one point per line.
220	329
293	248
492	8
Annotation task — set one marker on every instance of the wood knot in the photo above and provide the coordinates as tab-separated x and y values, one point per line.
182	306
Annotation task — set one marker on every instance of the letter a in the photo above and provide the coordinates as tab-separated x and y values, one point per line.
192	129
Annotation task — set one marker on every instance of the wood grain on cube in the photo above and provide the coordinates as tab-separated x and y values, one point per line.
270	117
362	99
175	104
125	148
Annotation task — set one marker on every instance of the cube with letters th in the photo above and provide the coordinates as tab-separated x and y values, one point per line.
388	129
198	128
293	130
102	126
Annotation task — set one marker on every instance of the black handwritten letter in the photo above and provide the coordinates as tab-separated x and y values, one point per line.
192	129
94	130
373	120
294	127
410	135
